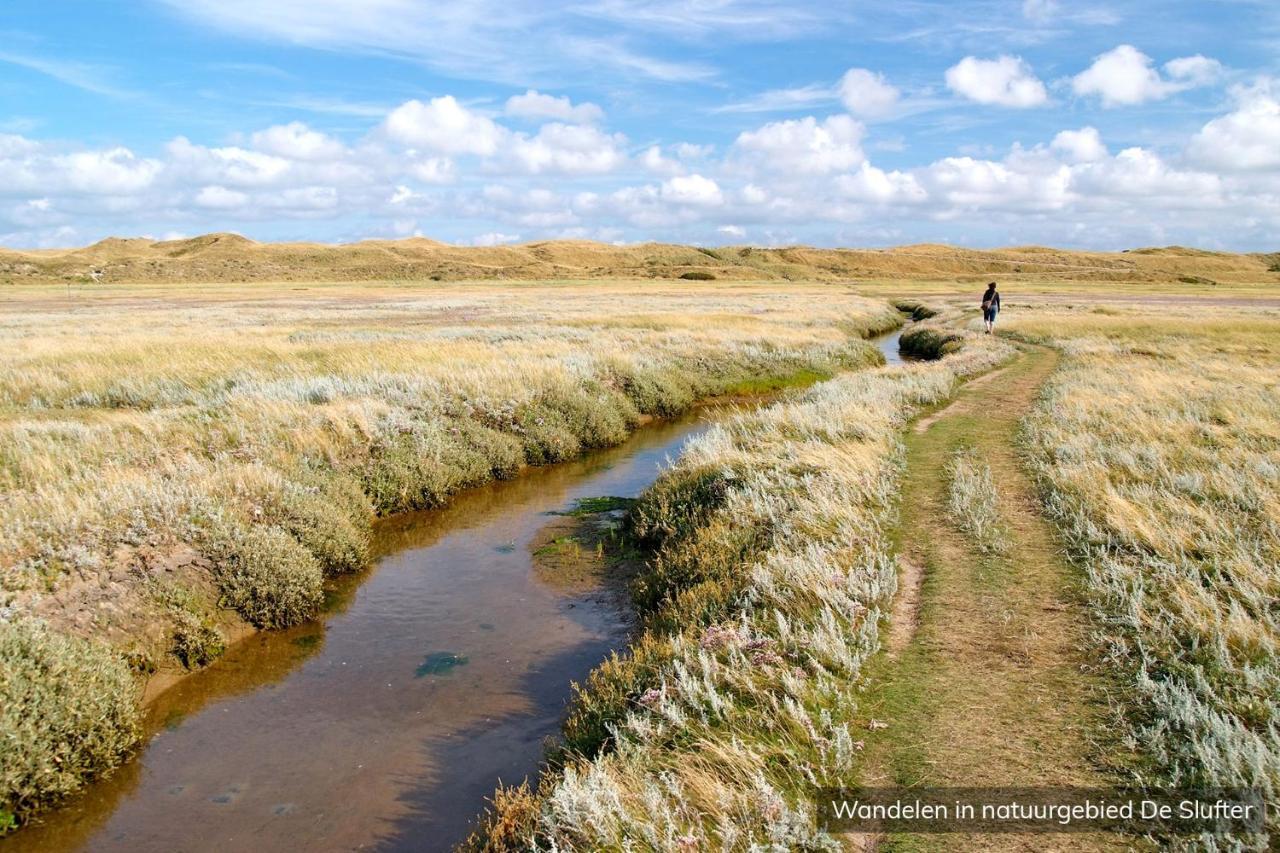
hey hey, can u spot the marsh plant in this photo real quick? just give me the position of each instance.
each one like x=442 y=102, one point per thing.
x=770 y=571
x=1158 y=444
x=973 y=503
x=263 y=430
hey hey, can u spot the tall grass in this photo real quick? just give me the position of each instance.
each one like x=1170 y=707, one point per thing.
x=771 y=572
x=973 y=503
x=1159 y=447
x=266 y=429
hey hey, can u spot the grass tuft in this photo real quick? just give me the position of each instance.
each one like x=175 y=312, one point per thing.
x=973 y=503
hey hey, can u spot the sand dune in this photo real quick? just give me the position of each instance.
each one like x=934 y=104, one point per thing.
x=230 y=257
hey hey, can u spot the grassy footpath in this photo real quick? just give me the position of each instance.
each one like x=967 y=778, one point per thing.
x=770 y=575
x=985 y=681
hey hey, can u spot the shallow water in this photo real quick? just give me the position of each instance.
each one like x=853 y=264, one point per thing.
x=888 y=345
x=386 y=723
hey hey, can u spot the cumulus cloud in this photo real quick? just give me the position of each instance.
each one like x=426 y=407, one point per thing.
x=1125 y=76
x=1080 y=146
x=567 y=150
x=876 y=185
x=297 y=141
x=807 y=179
x=654 y=161
x=535 y=105
x=1194 y=70
x=29 y=167
x=1006 y=81
x=220 y=198
x=434 y=170
x=1246 y=139
x=866 y=93
x=443 y=125
x=230 y=165
x=692 y=189
x=803 y=146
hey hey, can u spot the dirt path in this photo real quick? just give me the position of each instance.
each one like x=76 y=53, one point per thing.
x=983 y=681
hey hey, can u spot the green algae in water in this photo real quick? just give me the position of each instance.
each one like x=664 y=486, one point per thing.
x=592 y=506
x=438 y=663
x=307 y=641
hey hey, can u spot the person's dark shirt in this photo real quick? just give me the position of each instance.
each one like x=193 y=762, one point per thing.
x=994 y=296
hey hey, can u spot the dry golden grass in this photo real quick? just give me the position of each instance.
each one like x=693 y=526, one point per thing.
x=1159 y=444
x=167 y=454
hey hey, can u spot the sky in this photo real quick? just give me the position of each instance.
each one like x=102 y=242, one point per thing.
x=1100 y=125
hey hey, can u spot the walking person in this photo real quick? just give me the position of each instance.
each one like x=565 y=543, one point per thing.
x=990 y=307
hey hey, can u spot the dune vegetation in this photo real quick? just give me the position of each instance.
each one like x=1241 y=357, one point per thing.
x=1158 y=445
x=224 y=257
x=770 y=573
x=177 y=464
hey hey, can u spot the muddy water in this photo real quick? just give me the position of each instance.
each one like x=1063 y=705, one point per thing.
x=386 y=723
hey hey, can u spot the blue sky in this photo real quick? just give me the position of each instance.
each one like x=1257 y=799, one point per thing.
x=1098 y=125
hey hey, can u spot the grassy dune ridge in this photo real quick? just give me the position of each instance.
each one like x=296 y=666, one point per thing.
x=1158 y=444
x=166 y=456
x=771 y=573
x=229 y=257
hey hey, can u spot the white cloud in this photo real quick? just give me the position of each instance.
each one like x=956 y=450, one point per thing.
x=298 y=142
x=434 y=170
x=803 y=146
x=1142 y=174
x=220 y=198
x=1125 y=76
x=231 y=165
x=876 y=185
x=567 y=149
x=692 y=189
x=494 y=238
x=1080 y=146
x=866 y=93
x=113 y=171
x=445 y=126
x=1194 y=70
x=805 y=180
x=654 y=161
x=1006 y=81
x=1246 y=139
x=535 y=105
x=967 y=184
x=881 y=187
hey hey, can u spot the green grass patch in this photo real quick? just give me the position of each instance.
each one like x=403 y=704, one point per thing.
x=592 y=506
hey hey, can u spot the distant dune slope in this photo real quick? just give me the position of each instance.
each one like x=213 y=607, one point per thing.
x=230 y=257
